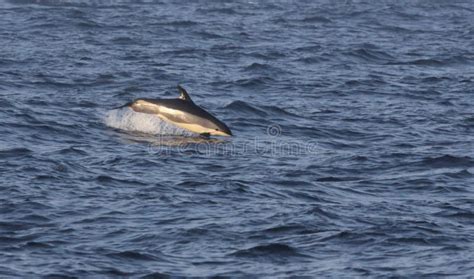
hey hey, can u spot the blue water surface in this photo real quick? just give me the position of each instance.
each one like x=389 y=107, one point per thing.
x=353 y=152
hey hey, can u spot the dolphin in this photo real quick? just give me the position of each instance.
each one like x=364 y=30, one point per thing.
x=182 y=112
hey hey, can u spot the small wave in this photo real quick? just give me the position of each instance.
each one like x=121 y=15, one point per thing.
x=394 y=29
x=254 y=82
x=468 y=122
x=273 y=249
x=243 y=107
x=35 y=218
x=208 y=35
x=267 y=55
x=14 y=152
x=45 y=177
x=362 y=82
x=460 y=174
x=409 y=241
x=124 y=40
x=283 y=229
x=337 y=179
x=72 y=151
x=436 y=79
x=9 y=240
x=227 y=11
x=320 y=213
x=87 y=104
x=156 y=275
x=433 y=62
x=133 y=255
x=460 y=215
x=257 y=67
x=371 y=55
x=78 y=4
x=425 y=62
x=181 y=23
x=354 y=237
x=278 y=111
x=311 y=60
x=447 y=161
x=310 y=48
x=316 y=19
x=105 y=179
x=37 y=245
x=128 y=120
x=88 y=24
x=185 y=52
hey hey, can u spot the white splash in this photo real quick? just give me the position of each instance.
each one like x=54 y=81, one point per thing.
x=128 y=120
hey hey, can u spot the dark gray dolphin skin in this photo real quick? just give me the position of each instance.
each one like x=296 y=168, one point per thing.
x=182 y=112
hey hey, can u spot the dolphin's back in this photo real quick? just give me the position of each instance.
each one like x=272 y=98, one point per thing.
x=174 y=110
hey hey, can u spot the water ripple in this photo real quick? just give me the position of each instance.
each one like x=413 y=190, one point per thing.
x=352 y=154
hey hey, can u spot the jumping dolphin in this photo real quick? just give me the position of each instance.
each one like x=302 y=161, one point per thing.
x=182 y=112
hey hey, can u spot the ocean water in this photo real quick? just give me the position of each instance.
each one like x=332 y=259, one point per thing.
x=353 y=152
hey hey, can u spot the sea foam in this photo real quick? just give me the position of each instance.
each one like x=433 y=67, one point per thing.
x=128 y=120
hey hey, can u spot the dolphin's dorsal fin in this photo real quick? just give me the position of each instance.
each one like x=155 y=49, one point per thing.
x=183 y=95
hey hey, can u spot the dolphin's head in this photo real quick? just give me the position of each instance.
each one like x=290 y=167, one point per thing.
x=204 y=123
x=218 y=128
